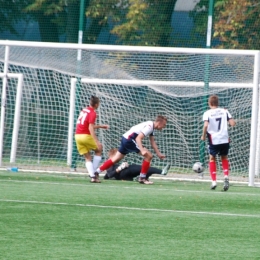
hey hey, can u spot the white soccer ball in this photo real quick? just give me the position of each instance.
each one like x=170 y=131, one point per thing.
x=198 y=167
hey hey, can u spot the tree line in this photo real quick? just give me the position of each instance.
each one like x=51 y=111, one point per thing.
x=236 y=23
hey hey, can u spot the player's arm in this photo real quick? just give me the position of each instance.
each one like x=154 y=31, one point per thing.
x=232 y=122
x=138 y=140
x=101 y=126
x=204 y=130
x=155 y=147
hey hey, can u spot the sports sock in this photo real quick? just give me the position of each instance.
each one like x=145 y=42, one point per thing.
x=96 y=161
x=213 y=170
x=107 y=164
x=89 y=166
x=225 y=167
x=144 y=169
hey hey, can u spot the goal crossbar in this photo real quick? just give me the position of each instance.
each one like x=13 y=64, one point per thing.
x=165 y=83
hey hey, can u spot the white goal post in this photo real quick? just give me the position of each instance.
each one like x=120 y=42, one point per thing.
x=134 y=84
x=16 y=119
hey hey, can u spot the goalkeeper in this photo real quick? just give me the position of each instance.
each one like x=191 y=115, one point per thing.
x=129 y=172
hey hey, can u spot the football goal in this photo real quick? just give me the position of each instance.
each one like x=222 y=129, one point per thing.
x=134 y=84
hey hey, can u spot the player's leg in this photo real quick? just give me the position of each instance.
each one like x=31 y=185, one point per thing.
x=145 y=167
x=97 y=157
x=126 y=146
x=89 y=166
x=110 y=162
x=213 y=151
x=225 y=165
x=154 y=170
x=224 y=148
x=86 y=143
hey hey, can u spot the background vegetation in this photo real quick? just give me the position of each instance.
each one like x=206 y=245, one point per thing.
x=135 y=22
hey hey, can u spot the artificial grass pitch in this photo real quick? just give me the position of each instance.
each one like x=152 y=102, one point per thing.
x=62 y=217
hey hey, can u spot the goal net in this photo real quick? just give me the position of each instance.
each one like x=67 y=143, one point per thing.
x=134 y=84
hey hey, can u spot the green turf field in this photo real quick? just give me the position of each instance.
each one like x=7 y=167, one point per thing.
x=62 y=217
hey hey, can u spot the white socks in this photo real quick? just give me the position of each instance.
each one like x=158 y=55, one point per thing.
x=96 y=161
x=90 y=168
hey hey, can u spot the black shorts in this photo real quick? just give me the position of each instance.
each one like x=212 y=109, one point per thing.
x=218 y=149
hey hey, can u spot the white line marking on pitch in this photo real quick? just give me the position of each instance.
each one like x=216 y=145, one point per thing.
x=131 y=187
x=129 y=208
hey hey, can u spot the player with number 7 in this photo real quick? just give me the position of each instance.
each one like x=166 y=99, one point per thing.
x=216 y=122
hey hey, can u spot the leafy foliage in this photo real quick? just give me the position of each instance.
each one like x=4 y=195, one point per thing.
x=236 y=23
x=138 y=22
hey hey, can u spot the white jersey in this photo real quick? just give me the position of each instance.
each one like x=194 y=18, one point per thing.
x=218 y=125
x=146 y=128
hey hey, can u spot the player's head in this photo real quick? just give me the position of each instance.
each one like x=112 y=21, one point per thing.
x=213 y=101
x=94 y=102
x=160 y=122
x=112 y=152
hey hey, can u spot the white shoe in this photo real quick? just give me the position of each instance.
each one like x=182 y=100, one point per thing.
x=213 y=186
x=166 y=169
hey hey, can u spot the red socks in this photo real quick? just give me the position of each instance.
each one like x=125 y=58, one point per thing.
x=145 y=168
x=213 y=170
x=225 y=167
x=107 y=164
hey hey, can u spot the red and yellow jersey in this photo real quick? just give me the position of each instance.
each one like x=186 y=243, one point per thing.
x=86 y=117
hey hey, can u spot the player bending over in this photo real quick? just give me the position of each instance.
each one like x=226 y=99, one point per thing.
x=131 y=142
x=86 y=139
x=127 y=172
x=216 y=128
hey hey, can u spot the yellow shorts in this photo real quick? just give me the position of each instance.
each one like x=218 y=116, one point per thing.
x=85 y=143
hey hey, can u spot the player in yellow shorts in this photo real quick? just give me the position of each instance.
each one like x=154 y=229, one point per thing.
x=86 y=139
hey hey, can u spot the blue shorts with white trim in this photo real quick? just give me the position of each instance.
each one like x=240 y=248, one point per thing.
x=128 y=146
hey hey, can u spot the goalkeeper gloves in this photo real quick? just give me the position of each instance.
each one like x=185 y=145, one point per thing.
x=122 y=166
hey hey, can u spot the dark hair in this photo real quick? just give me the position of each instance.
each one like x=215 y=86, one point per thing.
x=161 y=118
x=213 y=100
x=94 y=100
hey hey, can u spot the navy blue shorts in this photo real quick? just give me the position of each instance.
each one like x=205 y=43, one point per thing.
x=218 y=149
x=128 y=146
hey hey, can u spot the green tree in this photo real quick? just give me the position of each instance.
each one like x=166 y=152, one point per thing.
x=138 y=22
x=236 y=23
x=100 y=12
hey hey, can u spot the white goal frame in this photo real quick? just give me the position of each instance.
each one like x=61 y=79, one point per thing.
x=254 y=138
x=19 y=78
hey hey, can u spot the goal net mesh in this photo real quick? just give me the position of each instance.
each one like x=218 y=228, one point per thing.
x=43 y=132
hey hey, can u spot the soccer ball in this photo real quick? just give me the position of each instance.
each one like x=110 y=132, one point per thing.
x=198 y=167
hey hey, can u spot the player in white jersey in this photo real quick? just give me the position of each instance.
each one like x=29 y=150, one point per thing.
x=132 y=143
x=216 y=122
